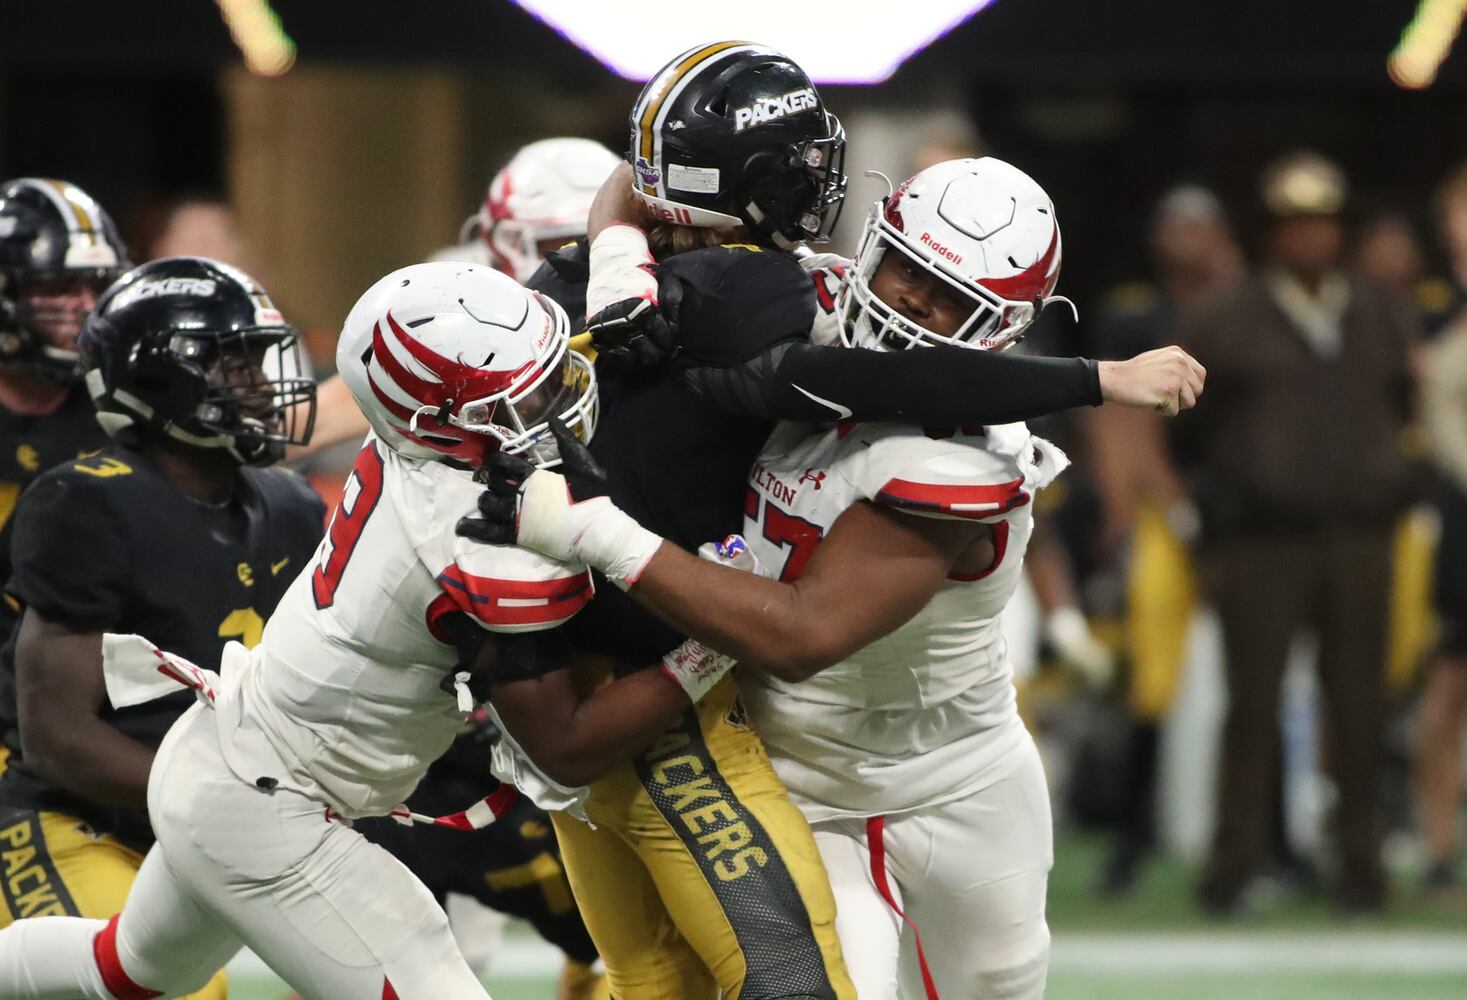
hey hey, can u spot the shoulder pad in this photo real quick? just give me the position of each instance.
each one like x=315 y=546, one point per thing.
x=738 y=301
x=970 y=476
x=508 y=589
x=502 y=588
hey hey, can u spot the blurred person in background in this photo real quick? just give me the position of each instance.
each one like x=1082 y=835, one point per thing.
x=1148 y=520
x=58 y=252
x=1438 y=776
x=200 y=225
x=536 y=203
x=1389 y=254
x=1300 y=477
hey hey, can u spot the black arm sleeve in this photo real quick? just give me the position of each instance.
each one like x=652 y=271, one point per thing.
x=941 y=386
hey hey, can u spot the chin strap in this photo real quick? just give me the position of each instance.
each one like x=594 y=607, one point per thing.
x=1044 y=304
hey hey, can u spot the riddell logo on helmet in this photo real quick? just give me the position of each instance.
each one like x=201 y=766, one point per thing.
x=941 y=250
x=672 y=213
x=770 y=109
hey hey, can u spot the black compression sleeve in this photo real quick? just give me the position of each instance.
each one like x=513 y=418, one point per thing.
x=941 y=386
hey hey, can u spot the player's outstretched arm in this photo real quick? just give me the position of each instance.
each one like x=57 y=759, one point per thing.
x=575 y=738
x=60 y=694
x=942 y=386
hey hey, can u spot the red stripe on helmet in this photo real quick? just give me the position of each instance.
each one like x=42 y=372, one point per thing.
x=1034 y=282
x=447 y=371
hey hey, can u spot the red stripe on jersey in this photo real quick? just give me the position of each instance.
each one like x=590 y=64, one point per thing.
x=438 y=609
x=1000 y=547
x=973 y=502
x=388 y=993
x=114 y=977
x=485 y=598
x=822 y=291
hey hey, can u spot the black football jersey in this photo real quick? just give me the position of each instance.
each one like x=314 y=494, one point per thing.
x=106 y=543
x=676 y=460
x=29 y=445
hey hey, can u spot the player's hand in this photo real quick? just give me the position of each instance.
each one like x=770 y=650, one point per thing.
x=632 y=332
x=505 y=476
x=1167 y=380
x=534 y=508
x=734 y=553
x=617 y=202
x=626 y=321
x=1069 y=633
x=502 y=475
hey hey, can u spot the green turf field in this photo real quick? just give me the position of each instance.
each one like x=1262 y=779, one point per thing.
x=1157 y=946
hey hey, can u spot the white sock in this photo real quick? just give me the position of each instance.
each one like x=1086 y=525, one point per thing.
x=50 y=958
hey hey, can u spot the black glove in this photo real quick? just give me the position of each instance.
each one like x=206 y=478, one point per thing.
x=632 y=333
x=503 y=475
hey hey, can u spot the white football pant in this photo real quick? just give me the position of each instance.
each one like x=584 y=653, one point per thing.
x=971 y=875
x=334 y=916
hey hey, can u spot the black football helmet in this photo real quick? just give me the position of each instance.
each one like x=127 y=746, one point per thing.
x=732 y=133
x=194 y=349
x=53 y=238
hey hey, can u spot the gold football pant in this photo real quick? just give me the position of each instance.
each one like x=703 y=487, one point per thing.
x=1161 y=594
x=700 y=875
x=52 y=864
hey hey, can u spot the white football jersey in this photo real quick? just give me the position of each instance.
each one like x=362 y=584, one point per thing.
x=925 y=714
x=346 y=693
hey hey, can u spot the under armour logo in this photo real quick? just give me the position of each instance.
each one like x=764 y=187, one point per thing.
x=810 y=475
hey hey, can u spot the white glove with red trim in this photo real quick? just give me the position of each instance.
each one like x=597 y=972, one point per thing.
x=595 y=532
x=623 y=314
x=620 y=269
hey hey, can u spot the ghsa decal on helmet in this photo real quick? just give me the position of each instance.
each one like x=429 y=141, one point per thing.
x=543 y=194
x=983 y=229
x=734 y=133
x=452 y=361
x=193 y=349
x=58 y=252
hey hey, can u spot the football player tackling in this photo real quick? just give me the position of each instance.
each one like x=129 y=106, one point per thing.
x=357 y=684
x=881 y=689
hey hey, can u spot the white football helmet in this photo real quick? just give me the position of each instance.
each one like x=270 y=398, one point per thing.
x=543 y=193
x=983 y=227
x=452 y=360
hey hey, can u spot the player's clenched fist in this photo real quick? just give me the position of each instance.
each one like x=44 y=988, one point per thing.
x=1167 y=380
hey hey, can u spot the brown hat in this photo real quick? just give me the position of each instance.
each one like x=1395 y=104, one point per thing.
x=1303 y=183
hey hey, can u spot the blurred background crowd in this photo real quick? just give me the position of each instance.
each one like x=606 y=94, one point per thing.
x=1245 y=641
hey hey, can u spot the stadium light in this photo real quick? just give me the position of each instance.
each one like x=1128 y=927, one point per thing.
x=256 y=29
x=857 y=42
x=1424 y=45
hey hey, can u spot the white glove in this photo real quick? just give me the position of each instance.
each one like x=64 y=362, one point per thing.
x=1069 y=633
x=695 y=668
x=595 y=532
x=734 y=553
x=618 y=269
